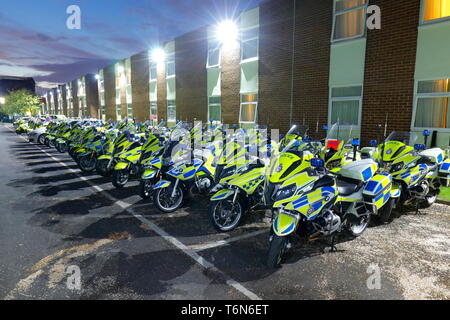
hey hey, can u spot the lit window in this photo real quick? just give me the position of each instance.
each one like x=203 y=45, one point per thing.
x=153 y=111
x=249 y=108
x=432 y=104
x=171 y=110
x=436 y=9
x=345 y=105
x=213 y=54
x=249 y=44
x=214 y=108
x=170 y=66
x=349 y=19
x=153 y=72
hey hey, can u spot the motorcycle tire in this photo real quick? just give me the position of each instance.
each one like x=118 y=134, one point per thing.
x=120 y=178
x=102 y=167
x=41 y=139
x=51 y=143
x=87 y=163
x=358 y=228
x=430 y=199
x=277 y=250
x=160 y=197
x=385 y=212
x=62 y=147
x=145 y=189
x=216 y=218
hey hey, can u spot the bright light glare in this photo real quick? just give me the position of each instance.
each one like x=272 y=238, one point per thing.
x=158 y=55
x=2 y=100
x=120 y=69
x=227 y=31
x=97 y=76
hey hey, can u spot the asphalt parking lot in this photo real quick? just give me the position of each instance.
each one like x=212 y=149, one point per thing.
x=53 y=216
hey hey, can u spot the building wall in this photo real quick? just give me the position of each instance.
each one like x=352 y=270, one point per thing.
x=55 y=100
x=191 y=51
x=162 y=92
x=389 y=69
x=92 y=99
x=140 y=86
x=64 y=100
x=76 y=108
x=312 y=64
x=275 y=62
x=230 y=82
x=110 y=92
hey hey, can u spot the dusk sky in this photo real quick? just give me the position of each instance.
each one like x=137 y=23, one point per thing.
x=35 y=41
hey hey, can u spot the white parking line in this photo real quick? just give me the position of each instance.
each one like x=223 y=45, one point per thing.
x=220 y=243
x=174 y=241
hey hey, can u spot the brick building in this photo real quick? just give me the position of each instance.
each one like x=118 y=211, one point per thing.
x=312 y=62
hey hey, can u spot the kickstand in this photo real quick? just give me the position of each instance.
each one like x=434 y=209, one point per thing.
x=417 y=209
x=333 y=244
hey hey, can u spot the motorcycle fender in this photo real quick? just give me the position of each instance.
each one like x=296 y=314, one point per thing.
x=105 y=157
x=121 y=166
x=162 y=184
x=148 y=174
x=395 y=191
x=222 y=194
x=284 y=224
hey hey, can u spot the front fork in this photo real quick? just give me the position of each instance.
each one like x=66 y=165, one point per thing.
x=175 y=188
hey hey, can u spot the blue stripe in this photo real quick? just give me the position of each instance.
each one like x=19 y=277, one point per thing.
x=289 y=229
x=446 y=166
x=367 y=174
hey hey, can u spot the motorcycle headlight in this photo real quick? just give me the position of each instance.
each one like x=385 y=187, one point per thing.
x=397 y=167
x=285 y=192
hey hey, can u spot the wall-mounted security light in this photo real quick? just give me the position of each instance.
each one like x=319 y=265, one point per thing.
x=227 y=32
x=158 y=55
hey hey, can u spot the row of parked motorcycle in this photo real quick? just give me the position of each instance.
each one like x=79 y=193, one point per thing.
x=315 y=189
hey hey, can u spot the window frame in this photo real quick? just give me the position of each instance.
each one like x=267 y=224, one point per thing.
x=252 y=102
x=427 y=95
x=170 y=58
x=167 y=110
x=332 y=99
x=247 y=40
x=215 y=104
x=422 y=16
x=152 y=65
x=341 y=12
x=218 y=47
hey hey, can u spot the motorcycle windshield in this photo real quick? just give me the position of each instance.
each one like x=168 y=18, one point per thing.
x=338 y=134
x=404 y=137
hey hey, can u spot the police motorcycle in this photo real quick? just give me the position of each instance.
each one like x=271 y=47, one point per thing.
x=327 y=204
x=187 y=171
x=418 y=173
x=99 y=145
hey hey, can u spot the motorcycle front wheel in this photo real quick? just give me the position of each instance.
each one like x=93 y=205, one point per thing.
x=41 y=139
x=62 y=147
x=225 y=216
x=145 y=189
x=120 y=178
x=102 y=167
x=51 y=143
x=164 y=201
x=357 y=226
x=87 y=163
x=277 y=250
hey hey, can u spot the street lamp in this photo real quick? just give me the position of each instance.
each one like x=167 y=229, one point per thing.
x=158 y=55
x=227 y=32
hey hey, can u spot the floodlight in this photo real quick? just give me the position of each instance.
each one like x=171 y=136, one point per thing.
x=227 y=32
x=158 y=55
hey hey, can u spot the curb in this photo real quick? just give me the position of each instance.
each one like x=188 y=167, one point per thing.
x=443 y=202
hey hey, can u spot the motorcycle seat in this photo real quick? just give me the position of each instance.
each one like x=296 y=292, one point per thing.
x=347 y=187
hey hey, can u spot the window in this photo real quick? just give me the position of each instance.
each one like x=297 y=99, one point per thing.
x=249 y=106
x=435 y=10
x=213 y=54
x=153 y=72
x=153 y=111
x=249 y=44
x=432 y=104
x=170 y=66
x=214 y=108
x=345 y=105
x=349 y=19
x=171 y=110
